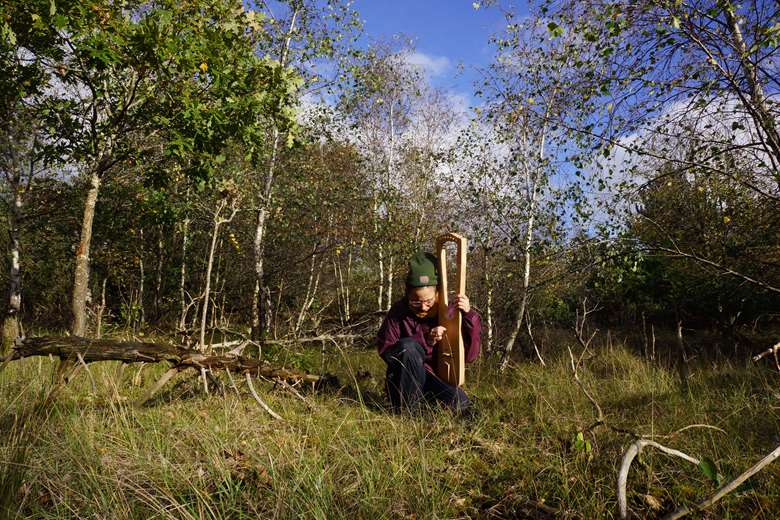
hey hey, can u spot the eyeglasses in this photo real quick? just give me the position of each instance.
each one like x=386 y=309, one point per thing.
x=420 y=303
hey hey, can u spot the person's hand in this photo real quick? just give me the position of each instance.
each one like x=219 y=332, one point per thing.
x=437 y=333
x=462 y=301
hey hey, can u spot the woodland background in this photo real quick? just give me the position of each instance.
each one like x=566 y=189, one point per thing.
x=206 y=170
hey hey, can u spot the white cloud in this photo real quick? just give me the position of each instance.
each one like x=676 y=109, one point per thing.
x=680 y=128
x=460 y=103
x=432 y=65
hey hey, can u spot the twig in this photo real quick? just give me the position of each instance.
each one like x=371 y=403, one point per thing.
x=63 y=367
x=240 y=349
x=287 y=386
x=228 y=344
x=599 y=412
x=205 y=380
x=690 y=426
x=771 y=350
x=232 y=382
x=310 y=339
x=260 y=401
x=727 y=488
x=159 y=384
x=531 y=336
x=625 y=465
x=91 y=379
x=7 y=359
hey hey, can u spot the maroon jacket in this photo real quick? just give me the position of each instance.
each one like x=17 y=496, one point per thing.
x=401 y=322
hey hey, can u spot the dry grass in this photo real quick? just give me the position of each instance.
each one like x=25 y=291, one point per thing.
x=92 y=455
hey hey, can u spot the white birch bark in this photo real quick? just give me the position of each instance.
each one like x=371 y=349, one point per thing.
x=261 y=296
x=532 y=175
x=185 y=228
x=218 y=221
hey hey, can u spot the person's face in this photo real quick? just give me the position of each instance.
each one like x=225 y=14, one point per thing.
x=422 y=301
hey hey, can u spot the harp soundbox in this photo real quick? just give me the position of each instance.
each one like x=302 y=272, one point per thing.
x=450 y=360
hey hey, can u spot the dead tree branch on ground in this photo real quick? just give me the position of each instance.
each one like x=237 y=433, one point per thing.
x=726 y=488
x=87 y=350
x=631 y=453
x=773 y=350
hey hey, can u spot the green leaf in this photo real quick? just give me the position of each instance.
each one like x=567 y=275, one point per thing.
x=555 y=29
x=707 y=466
x=580 y=443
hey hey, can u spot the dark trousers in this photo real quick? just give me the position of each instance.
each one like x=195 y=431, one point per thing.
x=408 y=383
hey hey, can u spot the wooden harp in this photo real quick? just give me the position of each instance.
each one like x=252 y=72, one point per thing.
x=450 y=359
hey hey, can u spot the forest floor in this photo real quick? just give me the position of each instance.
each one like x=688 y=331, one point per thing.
x=340 y=454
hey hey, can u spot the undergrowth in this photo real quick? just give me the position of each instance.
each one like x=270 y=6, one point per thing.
x=91 y=453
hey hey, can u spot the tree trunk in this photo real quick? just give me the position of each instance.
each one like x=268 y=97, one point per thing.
x=141 y=276
x=488 y=281
x=207 y=286
x=682 y=363
x=11 y=322
x=758 y=109
x=339 y=287
x=380 y=253
x=81 y=276
x=259 y=318
x=389 y=182
x=261 y=295
x=158 y=280
x=389 y=290
x=101 y=310
x=533 y=174
x=91 y=351
x=521 y=311
x=185 y=226
x=343 y=284
x=347 y=312
x=217 y=279
x=311 y=289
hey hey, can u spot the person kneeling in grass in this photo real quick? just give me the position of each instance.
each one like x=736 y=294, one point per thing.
x=409 y=333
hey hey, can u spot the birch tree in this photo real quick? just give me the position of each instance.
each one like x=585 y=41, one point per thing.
x=24 y=152
x=302 y=35
x=682 y=88
x=381 y=107
x=530 y=86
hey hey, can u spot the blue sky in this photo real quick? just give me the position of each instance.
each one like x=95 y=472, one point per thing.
x=447 y=33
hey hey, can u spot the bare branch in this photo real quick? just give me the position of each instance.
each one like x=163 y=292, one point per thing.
x=727 y=488
x=631 y=453
x=91 y=379
x=771 y=350
x=722 y=268
x=260 y=401
x=158 y=385
x=599 y=412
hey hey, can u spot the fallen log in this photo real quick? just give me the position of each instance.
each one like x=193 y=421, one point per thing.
x=88 y=350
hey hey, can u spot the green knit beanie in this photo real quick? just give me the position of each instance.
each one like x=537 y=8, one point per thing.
x=422 y=270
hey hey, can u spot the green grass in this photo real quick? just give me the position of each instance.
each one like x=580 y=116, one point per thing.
x=92 y=454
